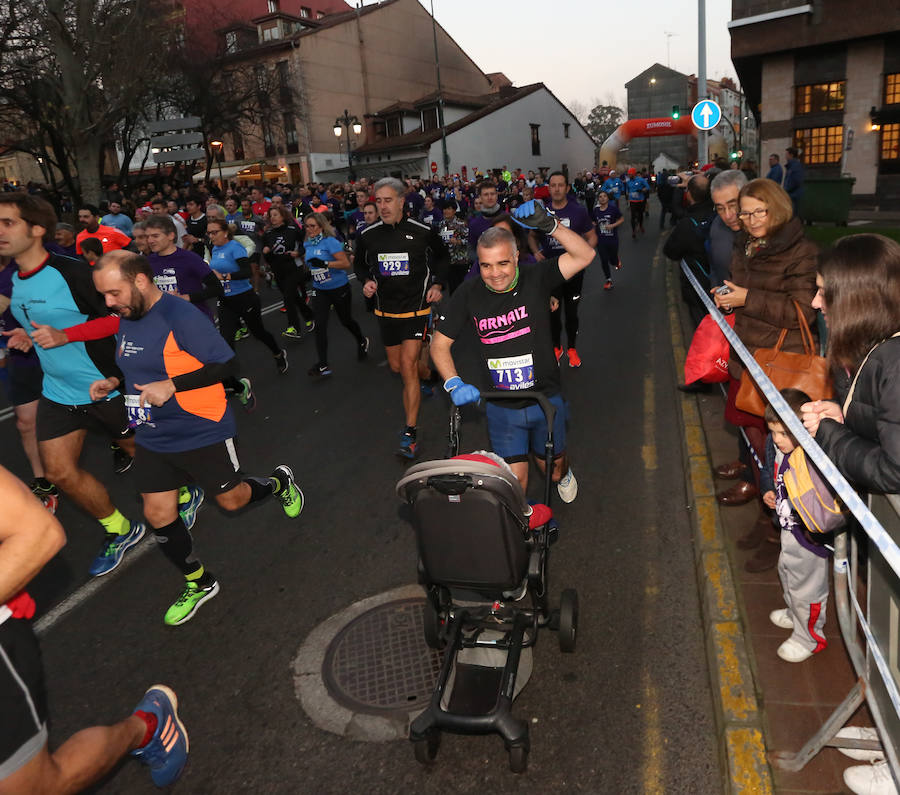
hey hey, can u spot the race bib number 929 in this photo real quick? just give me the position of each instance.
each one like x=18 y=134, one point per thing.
x=394 y=264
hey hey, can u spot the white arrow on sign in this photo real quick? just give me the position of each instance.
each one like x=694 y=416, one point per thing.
x=705 y=112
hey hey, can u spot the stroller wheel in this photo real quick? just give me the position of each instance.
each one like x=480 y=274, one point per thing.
x=568 y=620
x=518 y=759
x=427 y=748
x=432 y=626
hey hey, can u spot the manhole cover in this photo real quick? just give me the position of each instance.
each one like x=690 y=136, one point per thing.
x=379 y=663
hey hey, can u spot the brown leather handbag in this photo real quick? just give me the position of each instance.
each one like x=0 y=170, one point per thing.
x=804 y=371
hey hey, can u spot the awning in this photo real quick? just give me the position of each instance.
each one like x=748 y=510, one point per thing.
x=240 y=170
x=376 y=170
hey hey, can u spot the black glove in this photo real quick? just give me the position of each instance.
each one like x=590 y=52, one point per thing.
x=533 y=215
x=315 y=262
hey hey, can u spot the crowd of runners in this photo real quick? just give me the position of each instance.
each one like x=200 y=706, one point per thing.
x=127 y=327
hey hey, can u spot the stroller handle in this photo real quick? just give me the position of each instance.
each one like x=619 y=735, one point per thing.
x=538 y=397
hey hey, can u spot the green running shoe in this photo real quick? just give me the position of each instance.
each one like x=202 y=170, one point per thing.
x=246 y=396
x=241 y=334
x=190 y=600
x=288 y=493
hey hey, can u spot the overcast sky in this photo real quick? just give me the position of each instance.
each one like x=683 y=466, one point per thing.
x=585 y=50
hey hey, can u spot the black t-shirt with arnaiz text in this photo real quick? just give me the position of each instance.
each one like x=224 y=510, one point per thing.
x=513 y=328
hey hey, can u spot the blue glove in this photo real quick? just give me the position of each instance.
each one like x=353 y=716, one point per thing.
x=460 y=392
x=533 y=215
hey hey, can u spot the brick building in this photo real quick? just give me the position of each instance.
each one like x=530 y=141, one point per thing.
x=825 y=77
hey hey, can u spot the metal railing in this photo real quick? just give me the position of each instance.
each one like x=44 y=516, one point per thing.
x=878 y=672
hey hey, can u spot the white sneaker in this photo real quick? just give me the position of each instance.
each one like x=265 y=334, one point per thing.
x=567 y=487
x=793 y=651
x=859 y=733
x=874 y=779
x=782 y=618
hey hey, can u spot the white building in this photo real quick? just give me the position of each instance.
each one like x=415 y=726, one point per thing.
x=525 y=128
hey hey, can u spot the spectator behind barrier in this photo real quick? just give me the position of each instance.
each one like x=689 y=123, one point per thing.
x=773 y=265
x=858 y=283
x=688 y=241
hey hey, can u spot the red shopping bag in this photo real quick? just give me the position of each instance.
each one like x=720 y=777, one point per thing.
x=707 y=358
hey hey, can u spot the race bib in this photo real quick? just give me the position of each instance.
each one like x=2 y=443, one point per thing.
x=226 y=286
x=168 y=284
x=394 y=264
x=136 y=414
x=319 y=275
x=512 y=372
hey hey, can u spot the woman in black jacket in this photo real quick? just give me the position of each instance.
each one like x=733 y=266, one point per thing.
x=282 y=244
x=859 y=294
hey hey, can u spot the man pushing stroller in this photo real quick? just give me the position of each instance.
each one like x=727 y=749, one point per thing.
x=510 y=309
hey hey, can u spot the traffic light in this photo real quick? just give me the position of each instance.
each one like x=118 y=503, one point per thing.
x=676 y=111
x=734 y=155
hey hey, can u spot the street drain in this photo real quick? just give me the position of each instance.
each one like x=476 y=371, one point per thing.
x=379 y=663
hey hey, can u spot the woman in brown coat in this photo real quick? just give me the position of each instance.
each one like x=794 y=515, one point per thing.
x=773 y=265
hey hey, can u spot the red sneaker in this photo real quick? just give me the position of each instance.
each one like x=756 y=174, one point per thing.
x=558 y=352
x=574 y=358
x=608 y=285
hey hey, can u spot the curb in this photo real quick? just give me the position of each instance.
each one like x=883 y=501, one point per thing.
x=737 y=711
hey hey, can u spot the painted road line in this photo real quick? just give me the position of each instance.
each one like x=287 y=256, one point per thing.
x=80 y=595
x=737 y=711
x=652 y=741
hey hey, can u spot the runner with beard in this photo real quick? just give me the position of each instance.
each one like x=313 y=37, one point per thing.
x=173 y=362
x=482 y=220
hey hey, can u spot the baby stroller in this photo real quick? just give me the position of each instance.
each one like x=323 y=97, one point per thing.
x=483 y=554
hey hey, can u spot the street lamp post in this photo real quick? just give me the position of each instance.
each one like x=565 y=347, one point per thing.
x=650 y=115
x=220 y=146
x=349 y=123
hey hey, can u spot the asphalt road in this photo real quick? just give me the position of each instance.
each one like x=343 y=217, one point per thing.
x=630 y=711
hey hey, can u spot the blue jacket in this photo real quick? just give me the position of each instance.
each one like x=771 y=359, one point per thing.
x=793 y=179
x=775 y=173
x=638 y=189
x=613 y=187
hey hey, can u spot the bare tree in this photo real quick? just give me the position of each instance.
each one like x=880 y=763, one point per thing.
x=74 y=76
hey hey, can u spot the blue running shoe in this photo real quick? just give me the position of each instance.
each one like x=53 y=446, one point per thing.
x=190 y=498
x=408 y=446
x=167 y=751
x=114 y=549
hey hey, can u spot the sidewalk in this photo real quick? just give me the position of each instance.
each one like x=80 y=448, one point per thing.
x=794 y=700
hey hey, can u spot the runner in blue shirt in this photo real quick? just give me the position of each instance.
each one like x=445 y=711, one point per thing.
x=328 y=263
x=230 y=263
x=638 y=191
x=173 y=362
x=614 y=187
x=52 y=294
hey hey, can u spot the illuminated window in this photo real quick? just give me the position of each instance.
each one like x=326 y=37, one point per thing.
x=820 y=144
x=819 y=97
x=890 y=142
x=892 y=89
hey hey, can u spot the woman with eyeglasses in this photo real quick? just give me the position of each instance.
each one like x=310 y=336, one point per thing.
x=229 y=261
x=328 y=264
x=281 y=248
x=773 y=265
